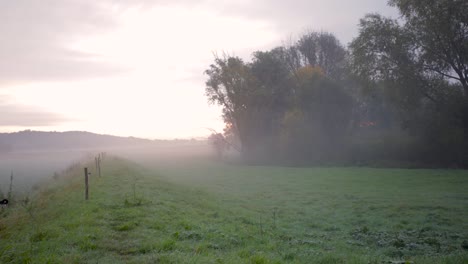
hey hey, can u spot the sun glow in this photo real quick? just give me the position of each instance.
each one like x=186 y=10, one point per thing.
x=161 y=95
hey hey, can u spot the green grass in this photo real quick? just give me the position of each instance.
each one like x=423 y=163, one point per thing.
x=211 y=213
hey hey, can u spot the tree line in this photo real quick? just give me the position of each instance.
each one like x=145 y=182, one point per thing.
x=397 y=95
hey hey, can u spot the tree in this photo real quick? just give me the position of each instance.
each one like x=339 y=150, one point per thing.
x=430 y=46
x=324 y=50
x=274 y=88
x=383 y=55
x=439 y=30
x=256 y=96
x=317 y=122
x=421 y=64
x=232 y=85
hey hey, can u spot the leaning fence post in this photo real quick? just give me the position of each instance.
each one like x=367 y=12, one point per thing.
x=86 y=183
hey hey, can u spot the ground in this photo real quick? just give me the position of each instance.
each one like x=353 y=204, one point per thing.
x=198 y=211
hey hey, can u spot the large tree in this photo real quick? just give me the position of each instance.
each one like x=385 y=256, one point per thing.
x=420 y=63
x=439 y=31
x=258 y=97
x=232 y=86
x=429 y=45
x=253 y=96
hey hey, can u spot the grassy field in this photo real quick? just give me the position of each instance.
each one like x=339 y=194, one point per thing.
x=202 y=212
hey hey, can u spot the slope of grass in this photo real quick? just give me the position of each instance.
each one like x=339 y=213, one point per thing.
x=207 y=213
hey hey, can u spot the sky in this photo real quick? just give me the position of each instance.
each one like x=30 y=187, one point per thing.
x=135 y=68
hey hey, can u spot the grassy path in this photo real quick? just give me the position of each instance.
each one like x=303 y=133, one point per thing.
x=138 y=215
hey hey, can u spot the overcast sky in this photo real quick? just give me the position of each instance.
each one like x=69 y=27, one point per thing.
x=135 y=68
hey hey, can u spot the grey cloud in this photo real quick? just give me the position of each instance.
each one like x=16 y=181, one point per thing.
x=16 y=115
x=288 y=17
x=35 y=35
x=337 y=16
x=35 y=38
x=53 y=64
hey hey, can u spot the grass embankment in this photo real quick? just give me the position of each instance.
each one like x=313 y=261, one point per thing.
x=207 y=213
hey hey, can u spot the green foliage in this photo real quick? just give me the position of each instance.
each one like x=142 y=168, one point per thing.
x=232 y=86
x=314 y=130
x=259 y=98
x=420 y=64
x=324 y=50
x=439 y=28
x=314 y=102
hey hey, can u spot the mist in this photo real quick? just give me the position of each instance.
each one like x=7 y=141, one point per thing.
x=234 y=131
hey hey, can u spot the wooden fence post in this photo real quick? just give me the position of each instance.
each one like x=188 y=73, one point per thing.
x=86 y=183
x=10 y=189
x=99 y=164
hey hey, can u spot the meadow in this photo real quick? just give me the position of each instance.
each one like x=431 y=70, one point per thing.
x=193 y=210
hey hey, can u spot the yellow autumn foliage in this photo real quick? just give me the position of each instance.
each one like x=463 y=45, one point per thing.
x=308 y=72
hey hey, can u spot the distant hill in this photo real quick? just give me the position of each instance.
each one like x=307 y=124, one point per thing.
x=74 y=140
